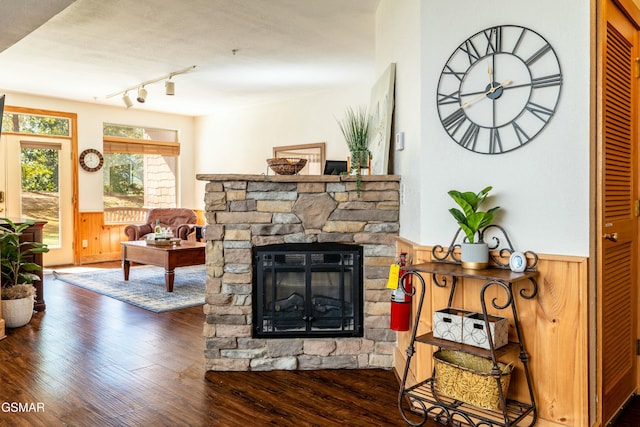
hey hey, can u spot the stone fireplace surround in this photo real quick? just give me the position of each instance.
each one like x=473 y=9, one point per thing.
x=243 y=211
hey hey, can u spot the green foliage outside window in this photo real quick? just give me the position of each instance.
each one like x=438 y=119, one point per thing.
x=37 y=125
x=39 y=169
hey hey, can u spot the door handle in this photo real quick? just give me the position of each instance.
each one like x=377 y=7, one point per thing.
x=611 y=236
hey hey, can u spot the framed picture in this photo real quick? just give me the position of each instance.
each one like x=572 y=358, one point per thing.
x=314 y=153
x=381 y=112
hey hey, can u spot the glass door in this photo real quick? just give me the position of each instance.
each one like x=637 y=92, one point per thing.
x=35 y=178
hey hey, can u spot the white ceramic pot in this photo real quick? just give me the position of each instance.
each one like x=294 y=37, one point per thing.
x=17 y=312
x=475 y=255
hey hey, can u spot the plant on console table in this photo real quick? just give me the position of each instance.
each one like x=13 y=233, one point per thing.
x=18 y=273
x=355 y=129
x=475 y=254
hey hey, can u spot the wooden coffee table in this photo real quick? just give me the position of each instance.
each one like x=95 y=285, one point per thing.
x=182 y=255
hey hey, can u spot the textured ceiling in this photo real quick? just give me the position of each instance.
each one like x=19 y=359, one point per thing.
x=245 y=51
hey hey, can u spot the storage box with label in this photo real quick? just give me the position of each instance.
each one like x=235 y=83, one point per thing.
x=447 y=323
x=474 y=332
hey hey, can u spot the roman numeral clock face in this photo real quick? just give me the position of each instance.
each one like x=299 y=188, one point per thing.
x=499 y=89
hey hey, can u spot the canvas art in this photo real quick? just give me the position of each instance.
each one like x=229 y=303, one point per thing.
x=381 y=112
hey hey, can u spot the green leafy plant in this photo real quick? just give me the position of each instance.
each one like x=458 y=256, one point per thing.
x=470 y=219
x=355 y=129
x=17 y=271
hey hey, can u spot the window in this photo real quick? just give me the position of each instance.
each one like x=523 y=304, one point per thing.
x=140 y=169
x=35 y=125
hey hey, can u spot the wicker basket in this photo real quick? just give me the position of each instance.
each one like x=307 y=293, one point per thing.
x=467 y=378
x=286 y=166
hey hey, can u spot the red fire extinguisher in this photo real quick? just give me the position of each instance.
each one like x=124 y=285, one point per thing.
x=401 y=299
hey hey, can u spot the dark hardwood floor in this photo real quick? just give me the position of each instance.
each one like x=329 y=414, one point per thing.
x=90 y=360
x=630 y=416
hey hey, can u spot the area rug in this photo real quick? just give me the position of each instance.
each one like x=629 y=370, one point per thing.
x=145 y=287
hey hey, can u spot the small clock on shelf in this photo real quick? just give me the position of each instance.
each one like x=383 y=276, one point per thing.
x=91 y=160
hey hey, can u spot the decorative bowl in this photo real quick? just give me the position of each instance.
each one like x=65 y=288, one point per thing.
x=286 y=165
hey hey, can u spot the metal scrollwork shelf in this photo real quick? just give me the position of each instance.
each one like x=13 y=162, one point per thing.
x=424 y=398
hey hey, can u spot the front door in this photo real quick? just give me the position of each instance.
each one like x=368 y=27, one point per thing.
x=35 y=178
x=617 y=224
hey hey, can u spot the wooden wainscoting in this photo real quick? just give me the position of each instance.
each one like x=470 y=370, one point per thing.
x=103 y=240
x=555 y=328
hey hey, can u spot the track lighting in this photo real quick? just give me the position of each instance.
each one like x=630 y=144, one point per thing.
x=169 y=87
x=127 y=100
x=142 y=95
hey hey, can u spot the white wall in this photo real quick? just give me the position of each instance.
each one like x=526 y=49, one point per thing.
x=398 y=41
x=90 y=120
x=542 y=187
x=240 y=140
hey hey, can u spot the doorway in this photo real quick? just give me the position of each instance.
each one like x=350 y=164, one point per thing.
x=36 y=181
x=617 y=195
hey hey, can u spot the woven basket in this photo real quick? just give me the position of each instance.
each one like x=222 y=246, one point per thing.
x=467 y=378
x=286 y=166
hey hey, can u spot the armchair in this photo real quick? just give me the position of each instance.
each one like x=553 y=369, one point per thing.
x=180 y=220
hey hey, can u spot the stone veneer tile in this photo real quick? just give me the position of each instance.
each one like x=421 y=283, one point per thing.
x=234 y=195
x=235 y=185
x=274 y=205
x=343 y=226
x=236 y=234
x=311 y=187
x=242 y=205
x=266 y=240
x=212 y=187
x=272 y=195
x=243 y=217
x=363 y=215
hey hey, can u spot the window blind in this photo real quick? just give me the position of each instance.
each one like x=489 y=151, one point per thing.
x=113 y=144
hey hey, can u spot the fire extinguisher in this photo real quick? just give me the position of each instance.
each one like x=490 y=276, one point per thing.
x=401 y=299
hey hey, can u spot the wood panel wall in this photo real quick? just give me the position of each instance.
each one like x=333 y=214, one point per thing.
x=555 y=328
x=103 y=241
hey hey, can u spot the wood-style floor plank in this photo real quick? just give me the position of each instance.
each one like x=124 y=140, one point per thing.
x=94 y=361
x=90 y=360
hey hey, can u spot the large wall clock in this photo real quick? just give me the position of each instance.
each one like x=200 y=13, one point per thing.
x=499 y=89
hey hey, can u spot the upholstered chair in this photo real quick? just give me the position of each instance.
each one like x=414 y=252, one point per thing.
x=180 y=220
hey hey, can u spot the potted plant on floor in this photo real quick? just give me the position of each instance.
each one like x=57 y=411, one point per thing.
x=17 y=272
x=475 y=254
x=355 y=129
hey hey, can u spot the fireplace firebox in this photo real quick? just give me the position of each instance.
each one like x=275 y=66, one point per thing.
x=307 y=290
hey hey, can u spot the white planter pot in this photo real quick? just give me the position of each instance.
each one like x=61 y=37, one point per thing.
x=17 y=312
x=475 y=255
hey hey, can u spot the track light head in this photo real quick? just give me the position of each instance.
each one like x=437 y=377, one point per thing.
x=127 y=100
x=170 y=87
x=142 y=95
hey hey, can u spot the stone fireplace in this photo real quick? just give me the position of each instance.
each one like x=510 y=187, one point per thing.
x=248 y=211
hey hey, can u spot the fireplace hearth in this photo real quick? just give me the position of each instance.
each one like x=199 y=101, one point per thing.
x=307 y=290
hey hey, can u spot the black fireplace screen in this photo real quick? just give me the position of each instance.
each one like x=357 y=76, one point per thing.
x=307 y=290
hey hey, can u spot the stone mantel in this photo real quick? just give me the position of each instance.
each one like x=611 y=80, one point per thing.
x=247 y=210
x=296 y=178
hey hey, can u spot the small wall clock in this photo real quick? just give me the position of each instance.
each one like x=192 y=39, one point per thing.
x=91 y=160
x=499 y=89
